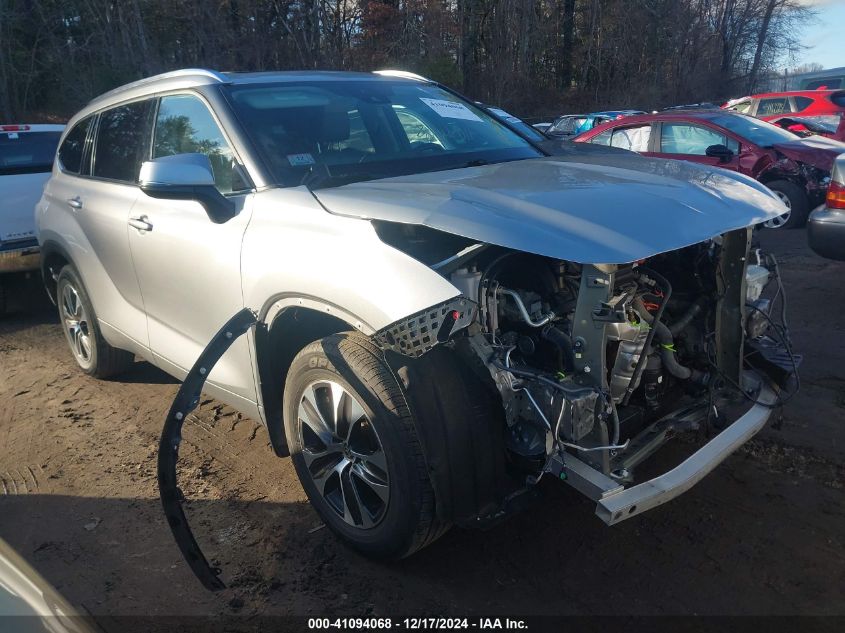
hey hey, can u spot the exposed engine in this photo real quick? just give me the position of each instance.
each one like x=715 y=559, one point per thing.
x=587 y=357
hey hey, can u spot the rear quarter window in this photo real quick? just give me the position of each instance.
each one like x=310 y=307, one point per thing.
x=73 y=147
x=742 y=106
x=603 y=138
x=802 y=103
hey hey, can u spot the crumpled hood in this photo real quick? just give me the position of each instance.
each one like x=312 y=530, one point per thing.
x=817 y=151
x=591 y=209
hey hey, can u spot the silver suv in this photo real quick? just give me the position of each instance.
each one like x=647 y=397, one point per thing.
x=445 y=314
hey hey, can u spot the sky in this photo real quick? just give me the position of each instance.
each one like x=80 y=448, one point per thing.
x=825 y=36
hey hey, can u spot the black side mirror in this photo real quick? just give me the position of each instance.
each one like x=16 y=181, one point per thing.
x=721 y=152
x=186 y=177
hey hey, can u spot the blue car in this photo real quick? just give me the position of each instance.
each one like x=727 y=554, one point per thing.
x=570 y=125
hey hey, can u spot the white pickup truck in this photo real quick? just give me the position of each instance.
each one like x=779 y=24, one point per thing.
x=26 y=160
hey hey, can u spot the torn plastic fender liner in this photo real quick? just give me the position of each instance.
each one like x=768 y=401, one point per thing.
x=455 y=410
x=186 y=401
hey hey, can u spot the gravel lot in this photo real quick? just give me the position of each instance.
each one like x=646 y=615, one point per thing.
x=762 y=535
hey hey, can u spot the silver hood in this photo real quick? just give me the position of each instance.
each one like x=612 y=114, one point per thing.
x=598 y=208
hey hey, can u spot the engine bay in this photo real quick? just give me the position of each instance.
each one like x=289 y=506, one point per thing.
x=607 y=362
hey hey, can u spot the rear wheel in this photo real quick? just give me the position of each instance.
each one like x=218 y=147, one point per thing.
x=356 y=452
x=90 y=350
x=796 y=201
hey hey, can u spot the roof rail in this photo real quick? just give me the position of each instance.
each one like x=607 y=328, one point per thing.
x=404 y=74
x=174 y=74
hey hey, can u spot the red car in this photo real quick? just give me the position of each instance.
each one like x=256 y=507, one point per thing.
x=773 y=105
x=796 y=169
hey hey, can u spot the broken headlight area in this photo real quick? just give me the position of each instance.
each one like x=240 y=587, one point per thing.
x=597 y=366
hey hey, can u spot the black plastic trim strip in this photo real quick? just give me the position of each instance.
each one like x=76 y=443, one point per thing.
x=186 y=401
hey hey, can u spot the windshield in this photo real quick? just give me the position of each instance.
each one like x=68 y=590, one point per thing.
x=27 y=152
x=325 y=133
x=754 y=130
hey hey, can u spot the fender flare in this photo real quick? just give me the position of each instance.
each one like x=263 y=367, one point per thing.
x=186 y=401
x=48 y=248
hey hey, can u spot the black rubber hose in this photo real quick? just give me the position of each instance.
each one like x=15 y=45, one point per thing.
x=681 y=323
x=563 y=342
x=678 y=326
x=663 y=335
x=667 y=292
x=664 y=339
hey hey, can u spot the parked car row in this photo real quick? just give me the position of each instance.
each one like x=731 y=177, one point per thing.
x=793 y=155
x=796 y=169
x=570 y=125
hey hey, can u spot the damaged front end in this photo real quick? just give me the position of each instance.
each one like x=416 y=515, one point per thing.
x=591 y=369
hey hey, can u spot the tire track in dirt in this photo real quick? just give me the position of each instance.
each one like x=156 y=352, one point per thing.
x=22 y=480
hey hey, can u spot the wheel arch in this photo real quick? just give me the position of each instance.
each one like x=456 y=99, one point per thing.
x=784 y=169
x=53 y=258
x=286 y=325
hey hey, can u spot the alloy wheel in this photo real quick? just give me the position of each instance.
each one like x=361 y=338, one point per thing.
x=77 y=326
x=779 y=221
x=343 y=454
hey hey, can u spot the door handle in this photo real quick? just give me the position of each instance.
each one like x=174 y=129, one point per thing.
x=141 y=223
x=75 y=202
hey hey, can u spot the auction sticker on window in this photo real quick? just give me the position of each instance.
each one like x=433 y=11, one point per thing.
x=450 y=109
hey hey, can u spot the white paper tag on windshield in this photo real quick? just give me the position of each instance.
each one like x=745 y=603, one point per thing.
x=450 y=109
x=297 y=160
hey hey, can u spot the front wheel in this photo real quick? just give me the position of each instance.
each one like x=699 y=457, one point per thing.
x=796 y=201
x=90 y=350
x=355 y=449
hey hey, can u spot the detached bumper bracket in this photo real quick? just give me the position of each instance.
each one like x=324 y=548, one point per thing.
x=186 y=401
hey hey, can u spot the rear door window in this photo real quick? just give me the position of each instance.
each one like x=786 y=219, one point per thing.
x=27 y=152
x=185 y=126
x=122 y=141
x=773 y=106
x=73 y=147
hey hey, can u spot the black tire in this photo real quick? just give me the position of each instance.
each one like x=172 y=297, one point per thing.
x=409 y=521
x=796 y=199
x=102 y=360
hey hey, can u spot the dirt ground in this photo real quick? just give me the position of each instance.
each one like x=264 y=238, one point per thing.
x=763 y=534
